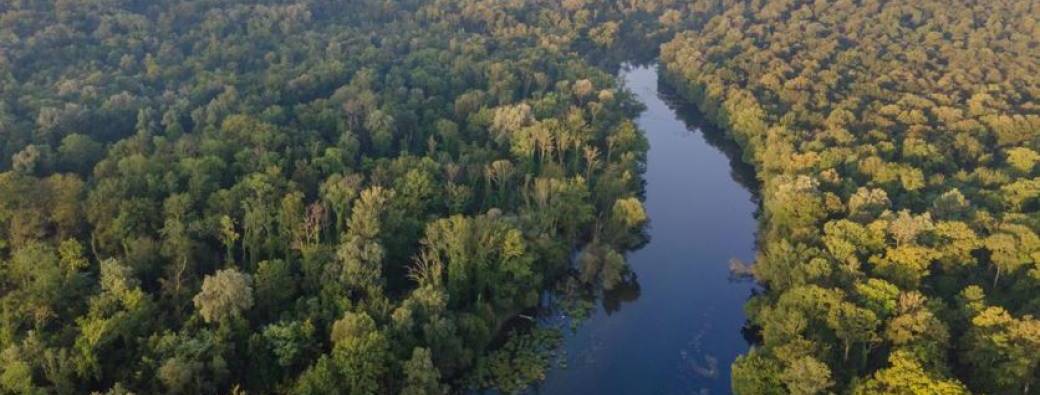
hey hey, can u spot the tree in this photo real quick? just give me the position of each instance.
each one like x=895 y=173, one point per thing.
x=290 y=342
x=879 y=296
x=28 y=161
x=64 y=203
x=509 y=120
x=806 y=376
x=339 y=192
x=16 y=376
x=602 y=265
x=905 y=375
x=70 y=253
x=1022 y=159
x=1011 y=248
x=176 y=375
x=178 y=247
x=229 y=236
x=852 y=325
x=225 y=295
x=756 y=374
x=361 y=254
x=78 y=153
x=360 y=354
x=918 y=331
x=951 y=205
x=906 y=228
x=275 y=287
x=319 y=379
x=117 y=318
x=190 y=363
x=851 y=243
x=957 y=243
x=421 y=377
x=796 y=206
x=626 y=216
x=482 y=257
x=380 y=126
x=1021 y=193
x=1004 y=351
x=37 y=286
x=905 y=265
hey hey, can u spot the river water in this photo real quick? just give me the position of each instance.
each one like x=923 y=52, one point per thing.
x=680 y=329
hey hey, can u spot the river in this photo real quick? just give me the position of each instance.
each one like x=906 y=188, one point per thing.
x=680 y=329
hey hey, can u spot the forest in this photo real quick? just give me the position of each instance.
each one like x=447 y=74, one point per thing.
x=897 y=145
x=359 y=197
x=211 y=196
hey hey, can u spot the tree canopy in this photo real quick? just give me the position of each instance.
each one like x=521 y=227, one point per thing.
x=299 y=196
x=896 y=142
x=317 y=196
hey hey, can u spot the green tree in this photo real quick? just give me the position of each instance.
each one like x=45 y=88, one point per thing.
x=905 y=375
x=806 y=376
x=853 y=325
x=290 y=342
x=1022 y=159
x=756 y=374
x=275 y=287
x=360 y=356
x=78 y=153
x=1003 y=351
x=225 y=295
x=421 y=377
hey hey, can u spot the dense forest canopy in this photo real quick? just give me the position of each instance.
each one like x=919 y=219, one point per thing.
x=317 y=196
x=203 y=196
x=897 y=141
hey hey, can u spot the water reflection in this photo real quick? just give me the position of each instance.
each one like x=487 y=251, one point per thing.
x=741 y=172
x=626 y=291
x=674 y=325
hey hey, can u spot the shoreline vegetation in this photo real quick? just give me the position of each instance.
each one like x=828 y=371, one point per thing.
x=232 y=196
x=896 y=143
x=205 y=196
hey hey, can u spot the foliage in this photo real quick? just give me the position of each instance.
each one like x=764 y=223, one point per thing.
x=896 y=144
x=306 y=196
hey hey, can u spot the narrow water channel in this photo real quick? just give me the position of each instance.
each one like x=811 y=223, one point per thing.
x=682 y=331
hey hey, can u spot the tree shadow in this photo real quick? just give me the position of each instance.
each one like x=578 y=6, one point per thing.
x=741 y=172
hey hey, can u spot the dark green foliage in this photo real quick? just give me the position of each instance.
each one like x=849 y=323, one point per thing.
x=304 y=196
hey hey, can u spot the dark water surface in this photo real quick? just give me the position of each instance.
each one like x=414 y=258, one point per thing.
x=682 y=332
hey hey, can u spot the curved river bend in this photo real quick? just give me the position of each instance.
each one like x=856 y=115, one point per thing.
x=683 y=329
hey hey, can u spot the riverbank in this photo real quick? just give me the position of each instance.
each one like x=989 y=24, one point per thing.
x=681 y=330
